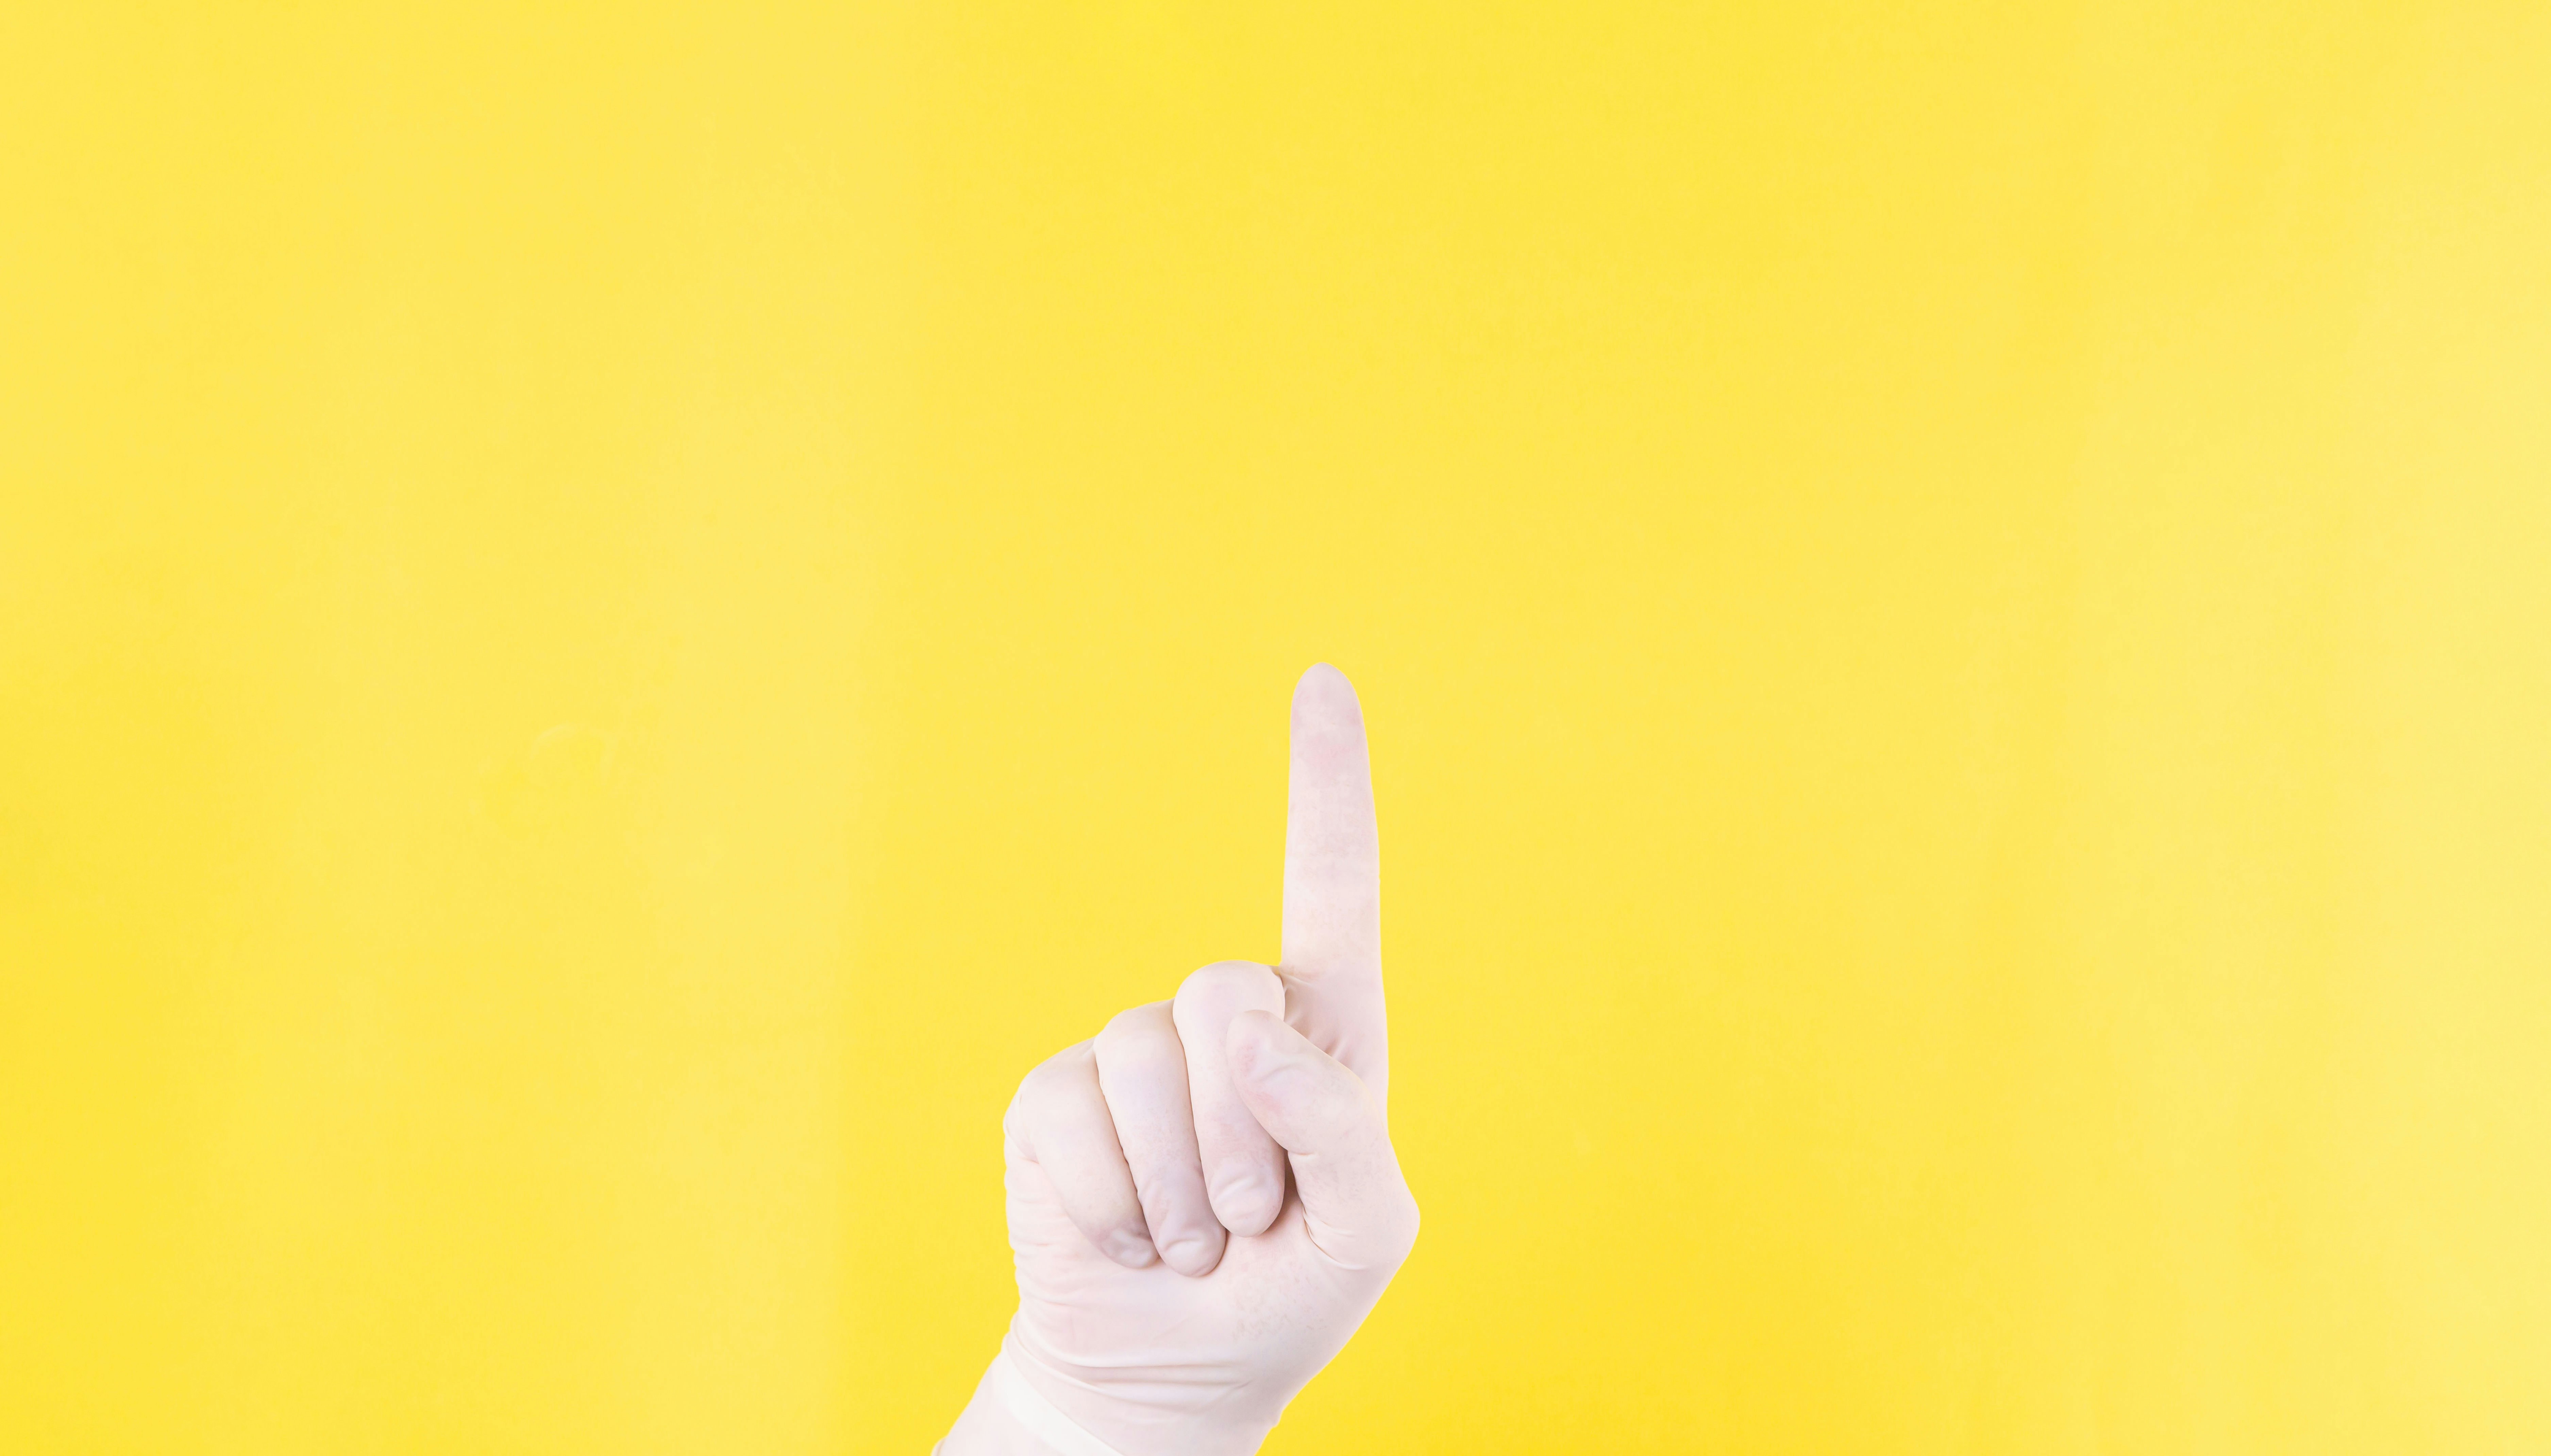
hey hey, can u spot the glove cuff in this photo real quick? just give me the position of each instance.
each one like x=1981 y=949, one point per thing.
x=1005 y=1383
x=1009 y=1417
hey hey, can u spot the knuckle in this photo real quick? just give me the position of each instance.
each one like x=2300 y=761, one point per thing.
x=1400 y=1229
x=1139 y=1042
x=1048 y=1077
x=1232 y=982
x=1133 y=1025
x=1015 y=1116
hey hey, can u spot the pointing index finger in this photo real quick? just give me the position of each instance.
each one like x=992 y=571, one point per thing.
x=1332 y=962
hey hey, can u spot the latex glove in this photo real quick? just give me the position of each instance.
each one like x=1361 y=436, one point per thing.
x=1203 y=1199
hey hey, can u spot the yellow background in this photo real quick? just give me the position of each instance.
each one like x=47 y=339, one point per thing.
x=611 y=619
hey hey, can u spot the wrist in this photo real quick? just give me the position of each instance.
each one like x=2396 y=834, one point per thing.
x=1008 y=1417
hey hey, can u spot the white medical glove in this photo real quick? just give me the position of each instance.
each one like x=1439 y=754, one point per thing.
x=1203 y=1199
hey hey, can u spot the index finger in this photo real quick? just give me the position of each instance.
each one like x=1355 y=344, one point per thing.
x=1332 y=958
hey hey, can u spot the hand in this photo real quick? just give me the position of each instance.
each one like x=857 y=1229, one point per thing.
x=1203 y=1199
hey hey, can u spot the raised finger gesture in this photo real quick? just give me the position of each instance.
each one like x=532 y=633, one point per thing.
x=1203 y=1199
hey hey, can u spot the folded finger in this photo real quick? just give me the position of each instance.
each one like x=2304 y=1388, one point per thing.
x=1143 y=1076
x=1061 y=1123
x=1356 y=1205
x=1242 y=1168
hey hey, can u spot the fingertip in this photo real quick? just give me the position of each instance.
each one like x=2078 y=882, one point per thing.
x=1247 y=1201
x=1324 y=698
x=1193 y=1254
x=1131 y=1249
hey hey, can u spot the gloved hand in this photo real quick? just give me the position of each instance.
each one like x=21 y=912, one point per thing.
x=1203 y=1199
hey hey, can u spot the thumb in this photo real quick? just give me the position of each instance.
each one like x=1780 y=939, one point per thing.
x=1356 y=1206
